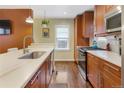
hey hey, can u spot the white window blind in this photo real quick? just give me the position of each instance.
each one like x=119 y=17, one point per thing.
x=62 y=37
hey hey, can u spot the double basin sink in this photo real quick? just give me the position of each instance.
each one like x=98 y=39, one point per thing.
x=33 y=55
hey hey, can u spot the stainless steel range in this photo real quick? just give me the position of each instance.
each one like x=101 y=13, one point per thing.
x=82 y=60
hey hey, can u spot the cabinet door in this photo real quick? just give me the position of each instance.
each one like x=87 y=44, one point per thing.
x=99 y=19
x=79 y=30
x=79 y=39
x=49 y=70
x=90 y=68
x=43 y=75
x=94 y=71
x=88 y=24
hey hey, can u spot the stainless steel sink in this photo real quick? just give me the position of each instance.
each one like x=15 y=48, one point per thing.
x=33 y=55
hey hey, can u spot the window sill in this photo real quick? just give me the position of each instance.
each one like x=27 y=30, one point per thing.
x=58 y=49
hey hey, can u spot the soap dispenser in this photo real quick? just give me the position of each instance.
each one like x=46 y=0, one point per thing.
x=94 y=44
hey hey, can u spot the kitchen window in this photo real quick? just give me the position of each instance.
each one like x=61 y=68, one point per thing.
x=62 y=37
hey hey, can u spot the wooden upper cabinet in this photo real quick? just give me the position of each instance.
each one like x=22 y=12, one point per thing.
x=79 y=39
x=87 y=24
x=109 y=8
x=78 y=30
x=99 y=23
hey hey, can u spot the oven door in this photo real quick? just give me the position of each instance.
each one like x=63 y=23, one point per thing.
x=82 y=61
x=82 y=64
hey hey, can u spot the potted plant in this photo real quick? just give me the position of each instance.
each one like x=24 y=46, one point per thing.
x=45 y=23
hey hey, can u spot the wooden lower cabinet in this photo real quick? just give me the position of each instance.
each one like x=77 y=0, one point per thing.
x=103 y=74
x=42 y=77
x=93 y=68
x=49 y=71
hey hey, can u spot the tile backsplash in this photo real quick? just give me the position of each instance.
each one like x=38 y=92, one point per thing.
x=112 y=40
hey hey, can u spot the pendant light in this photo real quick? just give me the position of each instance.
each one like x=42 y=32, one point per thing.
x=45 y=21
x=29 y=19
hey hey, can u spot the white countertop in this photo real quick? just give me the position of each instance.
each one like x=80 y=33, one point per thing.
x=111 y=57
x=16 y=73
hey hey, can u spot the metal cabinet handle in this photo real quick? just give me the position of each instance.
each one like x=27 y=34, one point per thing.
x=32 y=81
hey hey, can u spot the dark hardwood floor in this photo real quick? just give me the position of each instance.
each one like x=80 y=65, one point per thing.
x=68 y=76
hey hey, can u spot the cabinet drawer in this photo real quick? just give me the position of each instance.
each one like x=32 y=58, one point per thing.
x=112 y=69
x=90 y=56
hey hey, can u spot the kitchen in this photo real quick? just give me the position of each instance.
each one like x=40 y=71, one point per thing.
x=74 y=49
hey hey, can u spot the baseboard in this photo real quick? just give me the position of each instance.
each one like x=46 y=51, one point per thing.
x=69 y=60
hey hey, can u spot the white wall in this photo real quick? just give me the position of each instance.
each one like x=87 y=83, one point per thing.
x=37 y=34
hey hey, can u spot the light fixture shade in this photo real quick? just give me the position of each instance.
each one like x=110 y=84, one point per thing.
x=29 y=20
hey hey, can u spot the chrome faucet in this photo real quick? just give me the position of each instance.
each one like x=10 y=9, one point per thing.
x=24 y=43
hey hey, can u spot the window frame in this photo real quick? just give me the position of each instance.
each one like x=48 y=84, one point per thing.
x=68 y=39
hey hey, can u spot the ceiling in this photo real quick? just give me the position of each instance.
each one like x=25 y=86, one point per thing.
x=53 y=11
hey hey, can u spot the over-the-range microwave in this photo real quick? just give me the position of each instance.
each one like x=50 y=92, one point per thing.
x=113 y=20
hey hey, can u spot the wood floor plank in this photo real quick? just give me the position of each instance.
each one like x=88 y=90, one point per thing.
x=69 y=70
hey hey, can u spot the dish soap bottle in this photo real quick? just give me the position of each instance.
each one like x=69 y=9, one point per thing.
x=94 y=44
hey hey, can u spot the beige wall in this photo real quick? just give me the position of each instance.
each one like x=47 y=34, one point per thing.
x=59 y=55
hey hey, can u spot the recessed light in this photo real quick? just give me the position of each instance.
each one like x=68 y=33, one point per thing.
x=65 y=13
